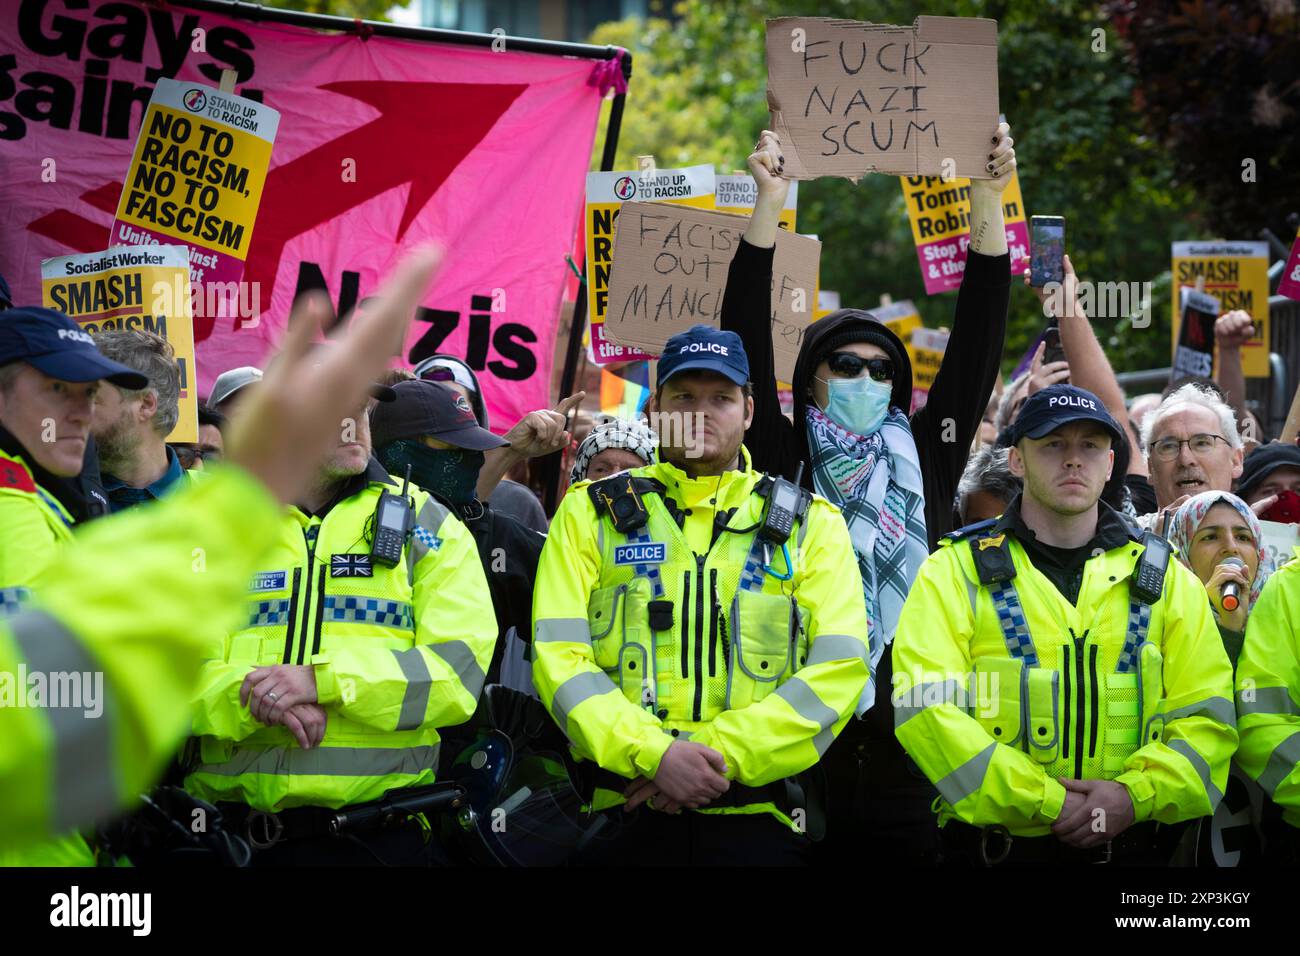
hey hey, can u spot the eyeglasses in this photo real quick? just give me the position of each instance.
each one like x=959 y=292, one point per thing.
x=1167 y=449
x=850 y=365
x=189 y=454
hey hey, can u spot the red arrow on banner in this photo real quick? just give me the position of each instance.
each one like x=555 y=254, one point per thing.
x=305 y=192
x=308 y=191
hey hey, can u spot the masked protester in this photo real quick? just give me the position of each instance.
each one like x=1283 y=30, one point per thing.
x=432 y=429
x=1270 y=482
x=892 y=474
x=1218 y=536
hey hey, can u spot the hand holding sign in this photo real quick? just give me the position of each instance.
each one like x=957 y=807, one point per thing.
x=767 y=164
x=1002 y=162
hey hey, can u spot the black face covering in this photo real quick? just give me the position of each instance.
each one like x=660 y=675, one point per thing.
x=450 y=473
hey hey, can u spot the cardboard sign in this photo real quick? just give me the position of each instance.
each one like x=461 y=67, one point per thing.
x=1236 y=273
x=196 y=176
x=670 y=272
x=1283 y=539
x=928 y=347
x=940 y=216
x=606 y=193
x=739 y=194
x=1194 y=354
x=849 y=98
x=130 y=287
x=1289 y=285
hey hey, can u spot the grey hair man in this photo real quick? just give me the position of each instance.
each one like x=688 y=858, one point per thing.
x=986 y=486
x=131 y=425
x=1192 y=445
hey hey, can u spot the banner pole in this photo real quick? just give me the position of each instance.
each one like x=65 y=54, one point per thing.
x=551 y=465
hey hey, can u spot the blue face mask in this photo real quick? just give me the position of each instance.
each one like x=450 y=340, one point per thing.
x=858 y=404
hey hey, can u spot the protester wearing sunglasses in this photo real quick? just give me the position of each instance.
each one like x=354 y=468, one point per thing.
x=892 y=475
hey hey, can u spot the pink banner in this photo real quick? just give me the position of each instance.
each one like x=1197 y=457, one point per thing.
x=383 y=144
x=943 y=261
x=1289 y=286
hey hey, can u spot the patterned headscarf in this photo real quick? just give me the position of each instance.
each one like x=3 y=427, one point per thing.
x=1188 y=519
x=616 y=433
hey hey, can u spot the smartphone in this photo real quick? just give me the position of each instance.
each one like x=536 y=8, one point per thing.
x=1054 y=352
x=1047 y=250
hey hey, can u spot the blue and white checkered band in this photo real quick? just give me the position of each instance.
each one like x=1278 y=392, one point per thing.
x=311 y=533
x=268 y=581
x=351 y=566
x=12 y=599
x=641 y=554
x=426 y=537
x=363 y=610
x=650 y=572
x=751 y=576
x=1015 y=629
x=1139 y=619
x=267 y=613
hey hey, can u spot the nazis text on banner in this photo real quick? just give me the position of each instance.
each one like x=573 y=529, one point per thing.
x=132 y=287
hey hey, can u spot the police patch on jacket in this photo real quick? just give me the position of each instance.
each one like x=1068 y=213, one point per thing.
x=653 y=552
x=268 y=581
x=351 y=566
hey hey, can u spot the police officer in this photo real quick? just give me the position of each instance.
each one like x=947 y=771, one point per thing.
x=1058 y=678
x=349 y=660
x=146 y=624
x=50 y=372
x=693 y=635
x=1268 y=702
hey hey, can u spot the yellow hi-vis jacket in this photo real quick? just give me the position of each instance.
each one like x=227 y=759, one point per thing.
x=995 y=726
x=34 y=528
x=397 y=653
x=129 y=616
x=762 y=670
x=1268 y=691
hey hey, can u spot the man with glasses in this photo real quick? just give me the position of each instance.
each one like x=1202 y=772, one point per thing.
x=210 y=447
x=1192 y=445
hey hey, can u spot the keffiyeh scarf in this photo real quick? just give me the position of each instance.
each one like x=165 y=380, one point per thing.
x=875 y=480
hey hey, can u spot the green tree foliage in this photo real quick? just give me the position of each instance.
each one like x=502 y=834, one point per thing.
x=357 y=9
x=698 y=94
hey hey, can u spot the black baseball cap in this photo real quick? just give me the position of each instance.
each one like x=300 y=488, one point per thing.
x=1263 y=461
x=422 y=407
x=701 y=348
x=52 y=343
x=1048 y=409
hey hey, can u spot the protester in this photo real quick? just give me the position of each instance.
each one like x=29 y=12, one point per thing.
x=147 y=624
x=1012 y=621
x=1270 y=482
x=432 y=429
x=231 y=387
x=987 y=486
x=131 y=426
x=1192 y=445
x=613 y=446
x=1232 y=330
x=540 y=432
x=893 y=475
x=207 y=451
x=703 y=626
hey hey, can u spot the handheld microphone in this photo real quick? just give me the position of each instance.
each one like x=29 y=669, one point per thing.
x=1230 y=592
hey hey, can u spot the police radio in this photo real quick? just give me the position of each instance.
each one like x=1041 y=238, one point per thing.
x=783 y=506
x=394 y=516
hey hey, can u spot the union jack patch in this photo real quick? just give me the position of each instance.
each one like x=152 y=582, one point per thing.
x=351 y=566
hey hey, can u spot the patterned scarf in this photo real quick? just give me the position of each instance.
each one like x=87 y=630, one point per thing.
x=875 y=480
x=1187 y=520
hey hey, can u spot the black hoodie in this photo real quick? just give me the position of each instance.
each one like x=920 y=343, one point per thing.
x=960 y=391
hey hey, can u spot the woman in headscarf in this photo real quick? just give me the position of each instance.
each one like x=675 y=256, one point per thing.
x=613 y=446
x=1218 y=536
x=1210 y=529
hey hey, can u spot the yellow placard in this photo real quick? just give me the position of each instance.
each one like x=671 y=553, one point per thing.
x=1235 y=273
x=738 y=193
x=133 y=287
